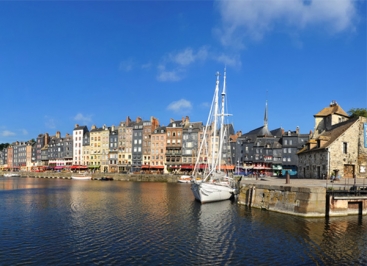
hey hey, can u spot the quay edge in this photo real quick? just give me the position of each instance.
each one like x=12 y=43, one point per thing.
x=116 y=177
x=304 y=201
x=300 y=201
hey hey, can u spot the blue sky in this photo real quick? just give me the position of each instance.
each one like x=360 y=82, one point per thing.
x=96 y=62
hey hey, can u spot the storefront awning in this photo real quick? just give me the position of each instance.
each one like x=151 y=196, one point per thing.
x=227 y=167
x=78 y=167
x=187 y=166
x=94 y=166
x=156 y=166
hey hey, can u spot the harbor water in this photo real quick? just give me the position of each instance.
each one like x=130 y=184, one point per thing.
x=70 y=222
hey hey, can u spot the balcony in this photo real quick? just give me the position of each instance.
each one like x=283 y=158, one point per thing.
x=173 y=153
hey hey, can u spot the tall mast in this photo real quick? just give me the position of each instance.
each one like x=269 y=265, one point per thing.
x=266 y=111
x=222 y=121
x=215 y=116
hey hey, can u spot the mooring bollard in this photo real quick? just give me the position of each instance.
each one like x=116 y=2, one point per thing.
x=287 y=178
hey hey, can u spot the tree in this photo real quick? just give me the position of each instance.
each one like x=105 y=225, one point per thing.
x=3 y=146
x=355 y=112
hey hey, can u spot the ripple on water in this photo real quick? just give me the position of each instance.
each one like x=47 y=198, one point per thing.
x=111 y=223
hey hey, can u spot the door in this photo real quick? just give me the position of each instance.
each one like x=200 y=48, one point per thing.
x=348 y=171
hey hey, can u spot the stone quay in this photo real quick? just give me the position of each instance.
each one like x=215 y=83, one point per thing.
x=306 y=197
x=96 y=176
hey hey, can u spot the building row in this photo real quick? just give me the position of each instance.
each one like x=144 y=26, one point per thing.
x=337 y=144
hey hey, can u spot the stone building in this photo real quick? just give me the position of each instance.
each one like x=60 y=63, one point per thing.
x=158 y=150
x=174 y=132
x=337 y=146
x=78 y=147
x=190 y=144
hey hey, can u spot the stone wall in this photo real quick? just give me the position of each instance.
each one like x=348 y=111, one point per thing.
x=118 y=177
x=338 y=159
x=300 y=201
x=361 y=170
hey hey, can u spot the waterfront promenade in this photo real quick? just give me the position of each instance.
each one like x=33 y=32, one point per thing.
x=305 y=182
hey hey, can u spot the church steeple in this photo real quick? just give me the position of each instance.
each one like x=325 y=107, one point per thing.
x=266 y=115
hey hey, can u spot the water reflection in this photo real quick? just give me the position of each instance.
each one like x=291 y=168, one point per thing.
x=93 y=222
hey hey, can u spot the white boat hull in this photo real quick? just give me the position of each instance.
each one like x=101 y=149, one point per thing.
x=81 y=177
x=184 y=179
x=211 y=192
x=12 y=175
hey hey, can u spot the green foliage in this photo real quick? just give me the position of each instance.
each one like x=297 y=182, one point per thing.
x=355 y=112
x=3 y=146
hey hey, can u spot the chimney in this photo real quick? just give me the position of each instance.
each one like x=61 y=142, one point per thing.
x=138 y=119
x=297 y=130
x=171 y=120
x=76 y=125
x=93 y=127
x=128 y=120
x=112 y=128
x=46 y=138
x=58 y=134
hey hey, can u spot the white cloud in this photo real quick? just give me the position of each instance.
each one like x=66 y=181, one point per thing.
x=205 y=105
x=255 y=18
x=146 y=66
x=50 y=122
x=24 y=132
x=127 y=65
x=83 y=118
x=7 y=133
x=234 y=61
x=174 y=65
x=169 y=76
x=180 y=106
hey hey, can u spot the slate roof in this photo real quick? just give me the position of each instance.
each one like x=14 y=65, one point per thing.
x=329 y=136
x=333 y=108
x=81 y=128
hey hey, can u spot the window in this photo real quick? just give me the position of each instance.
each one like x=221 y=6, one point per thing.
x=345 y=147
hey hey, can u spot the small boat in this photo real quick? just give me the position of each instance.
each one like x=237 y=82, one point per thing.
x=12 y=175
x=85 y=176
x=184 y=179
x=104 y=178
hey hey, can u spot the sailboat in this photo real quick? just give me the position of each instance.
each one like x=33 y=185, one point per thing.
x=213 y=184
